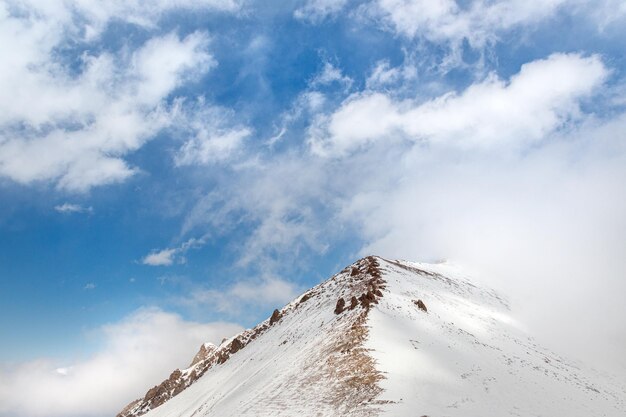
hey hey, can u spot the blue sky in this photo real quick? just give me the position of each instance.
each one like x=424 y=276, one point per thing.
x=194 y=164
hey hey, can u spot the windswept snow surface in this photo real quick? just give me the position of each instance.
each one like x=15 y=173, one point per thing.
x=464 y=357
x=467 y=356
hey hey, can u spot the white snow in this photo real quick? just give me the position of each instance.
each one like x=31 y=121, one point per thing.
x=465 y=357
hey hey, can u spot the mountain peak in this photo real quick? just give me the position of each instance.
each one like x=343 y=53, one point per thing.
x=206 y=350
x=383 y=337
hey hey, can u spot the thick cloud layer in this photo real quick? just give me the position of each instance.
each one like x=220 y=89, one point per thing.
x=137 y=352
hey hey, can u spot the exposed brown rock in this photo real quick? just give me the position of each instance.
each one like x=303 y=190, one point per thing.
x=126 y=410
x=341 y=303
x=205 y=351
x=222 y=357
x=420 y=304
x=372 y=267
x=365 y=302
x=178 y=389
x=374 y=284
x=353 y=303
x=175 y=375
x=236 y=346
x=159 y=394
x=276 y=315
x=371 y=297
x=354 y=271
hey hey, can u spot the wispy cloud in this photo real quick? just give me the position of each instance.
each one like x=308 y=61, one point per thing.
x=73 y=208
x=240 y=297
x=317 y=10
x=166 y=257
x=447 y=20
x=329 y=75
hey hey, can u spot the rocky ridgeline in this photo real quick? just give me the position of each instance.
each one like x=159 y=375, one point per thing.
x=208 y=356
x=360 y=283
x=364 y=275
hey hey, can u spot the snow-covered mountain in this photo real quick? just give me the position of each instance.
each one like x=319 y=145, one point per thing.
x=385 y=338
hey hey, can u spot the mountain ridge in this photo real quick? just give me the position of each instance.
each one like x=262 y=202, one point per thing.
x=384 y=337
x=210 y=355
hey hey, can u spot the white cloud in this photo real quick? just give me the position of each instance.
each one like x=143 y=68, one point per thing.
x=138 y=351
x=536 y=101
x=483 y=22
x=90 y=286
x=166 y=257
x=321 y=89
x=384 y=76
x=545 y=226
x=269 y=291
x=330 y=74
x=281 y=199
x=211 y=145
x=479 y=21
x=95 y=15
x=112 y=109
x=605 y=13
x=81 y=125
x=317 y=10
x=73 y=208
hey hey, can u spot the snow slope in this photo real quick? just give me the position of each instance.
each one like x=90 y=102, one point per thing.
x=467 y=357
x=377 y=353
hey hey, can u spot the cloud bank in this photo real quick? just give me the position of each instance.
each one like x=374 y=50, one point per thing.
x=137 y=352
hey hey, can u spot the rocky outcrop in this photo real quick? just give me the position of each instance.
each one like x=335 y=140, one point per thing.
x=158 y=394
x=235 y=346
x=205 y=351
x=340 y=305
x=369 y=271
x=420 y=304
x=276 y=315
